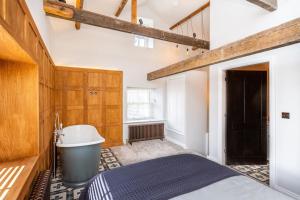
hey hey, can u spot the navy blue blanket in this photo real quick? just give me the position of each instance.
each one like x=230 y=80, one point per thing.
x=157 y=179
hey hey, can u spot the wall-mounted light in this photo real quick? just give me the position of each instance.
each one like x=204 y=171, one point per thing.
x=141 y=21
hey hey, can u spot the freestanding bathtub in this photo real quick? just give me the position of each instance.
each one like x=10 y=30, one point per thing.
x=79 y=147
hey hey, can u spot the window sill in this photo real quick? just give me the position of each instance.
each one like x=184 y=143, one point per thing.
x=144 y=121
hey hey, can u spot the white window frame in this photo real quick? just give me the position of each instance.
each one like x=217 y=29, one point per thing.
x=150 y=103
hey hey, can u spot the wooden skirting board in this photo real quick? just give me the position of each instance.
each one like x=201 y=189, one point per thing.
x=276 y=37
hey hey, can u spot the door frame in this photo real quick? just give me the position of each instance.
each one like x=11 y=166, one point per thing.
x=217 y=142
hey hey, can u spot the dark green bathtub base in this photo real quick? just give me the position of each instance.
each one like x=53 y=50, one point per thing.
x=79 y=164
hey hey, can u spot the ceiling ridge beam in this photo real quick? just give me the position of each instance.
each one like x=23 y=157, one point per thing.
x=79 y=5
x=134 y=11
x=196 y=12
x=68 y=12
x=121 y=7
x=283 y=35
x=270 y=5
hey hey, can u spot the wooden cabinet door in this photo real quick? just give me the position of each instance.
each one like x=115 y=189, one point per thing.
x=113 y=109
x=95 y=109
x=73 y=98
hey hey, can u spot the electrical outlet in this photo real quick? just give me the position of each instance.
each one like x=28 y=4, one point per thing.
x=285 y=115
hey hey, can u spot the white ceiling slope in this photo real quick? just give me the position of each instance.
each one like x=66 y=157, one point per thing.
x=170 y=11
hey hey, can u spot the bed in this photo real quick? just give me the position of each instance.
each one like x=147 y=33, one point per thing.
x=178 y=177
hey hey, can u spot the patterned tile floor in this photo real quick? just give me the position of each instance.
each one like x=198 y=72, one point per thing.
x=59 y=192
x=257 y=172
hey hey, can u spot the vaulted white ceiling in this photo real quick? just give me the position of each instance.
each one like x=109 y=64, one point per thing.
x=170 y=11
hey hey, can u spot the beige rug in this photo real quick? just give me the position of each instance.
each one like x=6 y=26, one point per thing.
x=146 y=150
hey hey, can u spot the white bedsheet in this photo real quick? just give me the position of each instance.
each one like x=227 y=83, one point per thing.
x=234 y=188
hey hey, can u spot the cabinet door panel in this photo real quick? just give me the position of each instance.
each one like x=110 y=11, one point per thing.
x=113 y=135
x=95 y=117
x=95 y=80
x=113 y=80
x=94 y=98
x=113 y=116
x=113 y=98
x=74 y=79
x=74 y=97
x=73 y=117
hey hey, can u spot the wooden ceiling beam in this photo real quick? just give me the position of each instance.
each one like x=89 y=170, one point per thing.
x=270 y=5
x=121 y=7
x=196 y=12
x=79 y=5
x=276 y=37
x=68 y=12
x=134 y=11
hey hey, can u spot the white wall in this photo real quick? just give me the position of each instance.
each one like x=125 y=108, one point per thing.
x=41 y=21
x=197 y=110
x=228 y=26
x=192 y=110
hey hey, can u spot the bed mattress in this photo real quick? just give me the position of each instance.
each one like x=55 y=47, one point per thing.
x=186 y=177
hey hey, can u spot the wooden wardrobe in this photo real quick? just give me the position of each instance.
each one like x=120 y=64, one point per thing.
x=91 y=96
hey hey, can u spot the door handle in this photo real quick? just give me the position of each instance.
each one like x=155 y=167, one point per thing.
x=93 y=92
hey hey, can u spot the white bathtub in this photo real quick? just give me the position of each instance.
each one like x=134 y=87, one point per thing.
x=79 y=148
x=79 y=135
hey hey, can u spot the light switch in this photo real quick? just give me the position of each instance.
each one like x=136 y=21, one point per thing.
x=285 y=115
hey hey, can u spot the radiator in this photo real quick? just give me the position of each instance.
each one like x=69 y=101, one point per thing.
x=145 y=132
x=41 y=188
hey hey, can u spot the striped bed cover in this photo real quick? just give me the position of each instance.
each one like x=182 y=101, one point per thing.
x=157 y=179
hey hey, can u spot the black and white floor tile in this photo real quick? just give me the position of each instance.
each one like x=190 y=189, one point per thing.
x=257 y=172
x=58 y=191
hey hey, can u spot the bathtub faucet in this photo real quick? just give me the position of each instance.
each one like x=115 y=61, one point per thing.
x=58 y=127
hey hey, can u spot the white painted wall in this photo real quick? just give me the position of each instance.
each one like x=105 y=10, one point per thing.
x=228 y=26
x=40 y=20
x=197 y=109
x=193 y=110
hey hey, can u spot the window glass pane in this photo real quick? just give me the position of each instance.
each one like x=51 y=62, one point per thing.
x=141 y=41
x=139 y=105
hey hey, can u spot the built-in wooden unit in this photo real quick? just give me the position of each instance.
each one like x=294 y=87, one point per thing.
x=27 y=98
x=19 y=110
x=91 y=96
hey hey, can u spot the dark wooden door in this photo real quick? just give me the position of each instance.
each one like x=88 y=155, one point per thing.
x=246 y=138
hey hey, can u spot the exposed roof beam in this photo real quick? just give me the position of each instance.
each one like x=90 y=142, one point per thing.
x=276 y=37
x=79 y=5
x=270 y=5
x=68 y=12
x=196 y=12
x=133 y=11
x=121 y=7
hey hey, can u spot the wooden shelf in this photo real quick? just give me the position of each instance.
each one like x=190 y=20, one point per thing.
x=16 y=177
